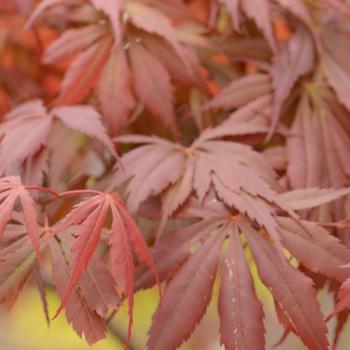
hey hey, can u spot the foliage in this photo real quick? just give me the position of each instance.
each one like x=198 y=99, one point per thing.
x=221 y=125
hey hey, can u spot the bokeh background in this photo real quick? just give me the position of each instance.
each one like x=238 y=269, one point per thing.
x=25 y=328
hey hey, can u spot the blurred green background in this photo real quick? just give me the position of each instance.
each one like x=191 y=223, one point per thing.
x=25 y=327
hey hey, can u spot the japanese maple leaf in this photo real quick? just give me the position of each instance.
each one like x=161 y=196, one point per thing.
x=94 y=296
x=91 y=215
x=26 y=132
x=294 y=60
x=261 y=96
x=319 y=144
x=189 y=289
x=111 y=8
x=108 y=65
x=334 y=38
x=19 y=261
x=11 y=192
x=242 y=178
x=250 y=98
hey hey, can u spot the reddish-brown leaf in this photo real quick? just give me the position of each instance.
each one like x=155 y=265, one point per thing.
x=113 y=89
x=292 y=290
x=315 y=248
x=186 y=297
x=152 y=84
x=84 y=320
x=241 y=314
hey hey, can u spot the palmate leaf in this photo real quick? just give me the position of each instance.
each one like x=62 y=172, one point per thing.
x=11 y=191
x=33 y=124
x=241 y=315
x=89 y=217
x=100 y=54
x=318 y=125
x=295 y=60
x=84 y=320
x=240 y=176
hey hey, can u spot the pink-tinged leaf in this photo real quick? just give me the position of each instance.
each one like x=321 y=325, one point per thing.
x=158 y=178
x=79 y=213
x=231 y=128
x=137 y=164
x=256 y=112
x=123 y=267
x=303 y=147
x=343 y=297
x=312 y=197
x=113 y=90
x=40 y=283
x=14 y=231
x=335 y=46
x=30 y=218
x=112 y=9
x=176 y=68
x=317 y=147
x=86 y=120
x=141 y=139
x=202 y=177
x=153 y=21
x=88 y=236
x=26 y=110
x=293 y=291
x=98 y=288
x=259 y=11
x=91 y=217
x=35 y=167
x=84 y=321
x=17 y=261
x=315 y=248
x=177 y=194
x=152 y=85
x=72 y=41
x=241 y=91
x=96 y=285
x=186 y=297
x=137 y=240
x=295 y=60
x=241 y=314
x=254 y=208
x=83 y=73
x=6 y=210
x=11 y=189
x=33 y=132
